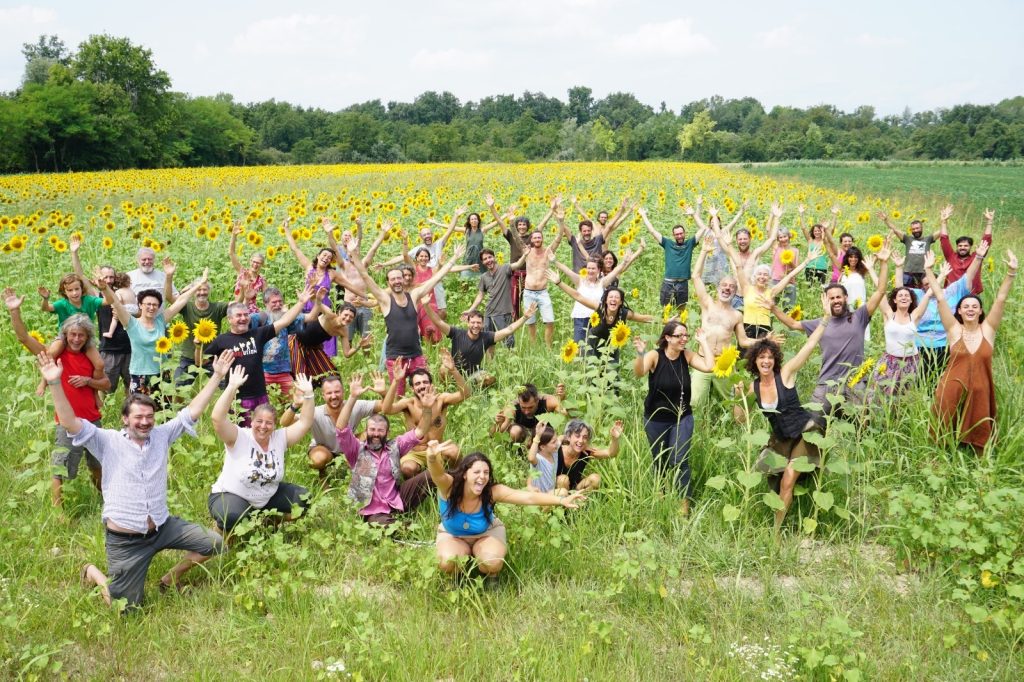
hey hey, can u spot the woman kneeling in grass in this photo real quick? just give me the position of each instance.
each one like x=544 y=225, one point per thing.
x=466 y=496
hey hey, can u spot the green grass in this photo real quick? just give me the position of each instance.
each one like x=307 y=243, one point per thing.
x=624 y=589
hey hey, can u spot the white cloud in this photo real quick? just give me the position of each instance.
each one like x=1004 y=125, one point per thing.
x=452 y=59
x=871 y=40
x=780 y=37
x=299 y=34
x=675 y=37
x=26 y=14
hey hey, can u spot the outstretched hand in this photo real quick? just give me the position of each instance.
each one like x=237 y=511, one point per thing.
x=1011 y=261
x=237 y=376
x=303 y=383
x=50 y=369
x=355 y=385
x=11 y=299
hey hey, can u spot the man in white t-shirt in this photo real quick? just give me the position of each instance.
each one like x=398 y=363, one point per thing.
x=323 y=446
x=146 y=276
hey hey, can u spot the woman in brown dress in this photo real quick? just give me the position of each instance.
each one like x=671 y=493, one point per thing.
x=965 y=399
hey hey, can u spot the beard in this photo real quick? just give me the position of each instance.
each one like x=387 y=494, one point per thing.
x=375 y=443
x=275 y=315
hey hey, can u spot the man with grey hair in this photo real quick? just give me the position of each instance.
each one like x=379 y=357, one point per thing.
x=277 y=360
x=200 y=307
x=146 y=276
x=81 y=379
x=247 y=346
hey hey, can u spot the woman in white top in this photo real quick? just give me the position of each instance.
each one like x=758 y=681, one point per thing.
x=900 y=313
x=253 y=473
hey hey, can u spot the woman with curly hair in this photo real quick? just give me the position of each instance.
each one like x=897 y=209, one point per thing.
x=774 y=389
x=466 y=496
x=901 y=312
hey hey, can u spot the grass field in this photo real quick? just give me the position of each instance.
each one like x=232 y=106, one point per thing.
x=902 y=561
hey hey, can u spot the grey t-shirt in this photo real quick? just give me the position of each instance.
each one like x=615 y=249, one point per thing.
x=499 y=289
x=842 y=345
x=325 y=432
x=916 y=250
x=593 y=247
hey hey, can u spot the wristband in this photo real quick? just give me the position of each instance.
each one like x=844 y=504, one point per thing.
x=52 y=383
x=293 y=408
x=307 y=396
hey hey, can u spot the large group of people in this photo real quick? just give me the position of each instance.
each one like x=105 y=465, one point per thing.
x=112 y=325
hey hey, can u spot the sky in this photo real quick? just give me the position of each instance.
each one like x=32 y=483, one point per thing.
x=890 y=55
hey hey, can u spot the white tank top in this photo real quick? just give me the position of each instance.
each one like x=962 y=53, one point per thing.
x=587 y=290
x=899 y=338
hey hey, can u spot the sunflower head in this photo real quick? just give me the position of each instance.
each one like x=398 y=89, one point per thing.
x=178 y=332
x=797 y=313
x=204 y=331
x=787 y=257
x=583 y=272
x=37 y=336
x=595 y=319
x=163 y=344
x=726 y=362
x=875 y=242
x=569 y=351
x=620 y=335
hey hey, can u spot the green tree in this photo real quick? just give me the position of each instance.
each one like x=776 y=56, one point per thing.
x=581 y=104
x=696 y=136
x=604 y=137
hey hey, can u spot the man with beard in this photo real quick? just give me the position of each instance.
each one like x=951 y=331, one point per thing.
x=917 y=244
x=520 y=418
x=961 y=258
x=535 y=291
x=375 y=461
x=604 y=227
x=323 y=447
x=413 y=408
x=277 y=361
x=137 y=521
x=80 y=379
x=842 y=346
x=147 y=277
x=678 y=254
x=247 y=345
x=743 y=258
x=517 y=245
x=397 y=304
x=469 y=344
x=495 y=282
x=200 y=307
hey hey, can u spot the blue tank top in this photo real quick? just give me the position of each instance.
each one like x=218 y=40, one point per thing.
x=462 y=523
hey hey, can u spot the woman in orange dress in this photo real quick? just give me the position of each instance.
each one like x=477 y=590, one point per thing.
x=965 y=398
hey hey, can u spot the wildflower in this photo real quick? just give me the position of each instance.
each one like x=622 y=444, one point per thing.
x=61 y=246
x=726 y=362
x=583 y=272
x=991 y=264
x=875 y=242
x=204 y=331
x=987 y=581
x=896 y=215
x=620 y=335
x=163 y=344
x=859 y=375
x=666 y=313
x=178 y=332
x=595 y=319
x=797 y=313
x=569 y=351
x=271 y=252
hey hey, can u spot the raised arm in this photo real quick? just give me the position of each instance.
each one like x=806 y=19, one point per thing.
x=76 y=266
x=572 y=293
x=372 y=251
x=573 y=276
x=697 y=274
x=613 y=443
x=371 y=285
x=883 y=279
x=884 y=217
x=52 y=371
x=456 y=214
x=419 y=290
x=784 y=282
x=995 y=313
x=657 y=236
x=435 y=465
x=355 y=391
x=508 y=331
x=180 y=302
x=624 y=264
x=13 y=302
x=289 y=316
x=302 y=258
x=221 y=365
x=705 y=360
x=44 y=300
x=441 y=325
x=122 y=314
x=786 y=319
x=294 y=433
x=225 y=429
x=236 y=230
x=465 y=390
x=949 y=322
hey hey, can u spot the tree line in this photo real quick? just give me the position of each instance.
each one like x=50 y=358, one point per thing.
x=107 y=106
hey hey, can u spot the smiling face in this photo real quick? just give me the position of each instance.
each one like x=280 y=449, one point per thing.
x=275 y=303
x=263 y=424
x=238 y=320
x=679 y=234
x=421 y=383
x=853 y=261
x=602 y=217
x=334 y=394
x=586 y=232
x=762 y=276
x=490 y=263
x=255 y=263
x=324 y=258
x=969 y=310
x=836 y=302
x=146 y=260
x=783 y=238
x=427 y=236
x=474 y=220
x=346 y=317
x=202 y=293
x=108 y=275
x=376 y=432
x=743 y=241
x=593 y=271
x=536 y=240
x=396 y=281
x=727 y=289
x=916 y=228
x=477 y=477
x=475 y=326
x=614 y=301
x=522 y=227
x=608 y=262
x=579 y=441
x=963 y=248
x=73 y=291
x=766 y=362
x=422 y=258
x=677 y=338
x=903 y=299
x=76 y=338
x=148 y=307
x=139 y=422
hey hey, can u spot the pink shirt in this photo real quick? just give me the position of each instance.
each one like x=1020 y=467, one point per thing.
x=778 y=269
x=385 y=490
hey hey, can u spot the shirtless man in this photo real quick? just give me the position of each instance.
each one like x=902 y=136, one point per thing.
x=536 y=285
x=517 y=248
x=721 y=324
x=742 y=257
x=412 y=408
x=398 y=306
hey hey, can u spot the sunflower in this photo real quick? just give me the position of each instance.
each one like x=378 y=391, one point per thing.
x=583 y=272
x=787 y=257
x=569 y=351
x=271 y=252
x=875 y=242
x=725 y=362
x=108 y=243
x=797 y=313
x=163 y=345
x=635 y=293
x=595 y=319
x=61 y=246
x=857 y=376
x=178 y=332
x=204 y=331
x=620 y=335
x=896 y=215
x=37 y=336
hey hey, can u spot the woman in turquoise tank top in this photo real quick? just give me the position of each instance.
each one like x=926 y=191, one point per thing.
x=466 y=497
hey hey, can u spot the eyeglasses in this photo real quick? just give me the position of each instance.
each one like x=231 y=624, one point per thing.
x=679 y=336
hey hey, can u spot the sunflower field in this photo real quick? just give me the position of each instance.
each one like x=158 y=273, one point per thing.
x=902 y=559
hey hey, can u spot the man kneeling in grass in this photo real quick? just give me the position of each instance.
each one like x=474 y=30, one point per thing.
x=134 y=459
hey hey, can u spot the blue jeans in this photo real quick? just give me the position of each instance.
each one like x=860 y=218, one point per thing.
x=579 y=329
x=670 y=447
x=361 y=324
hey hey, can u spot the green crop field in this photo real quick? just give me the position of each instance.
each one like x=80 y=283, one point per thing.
x=902 y=560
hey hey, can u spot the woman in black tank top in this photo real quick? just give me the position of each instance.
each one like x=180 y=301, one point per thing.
x=667 y=415
x=774 y=389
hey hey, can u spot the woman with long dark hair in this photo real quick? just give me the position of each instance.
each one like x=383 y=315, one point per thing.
x=901 y=312
x=466 y=496
x=668 y=419
x=611 y=311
